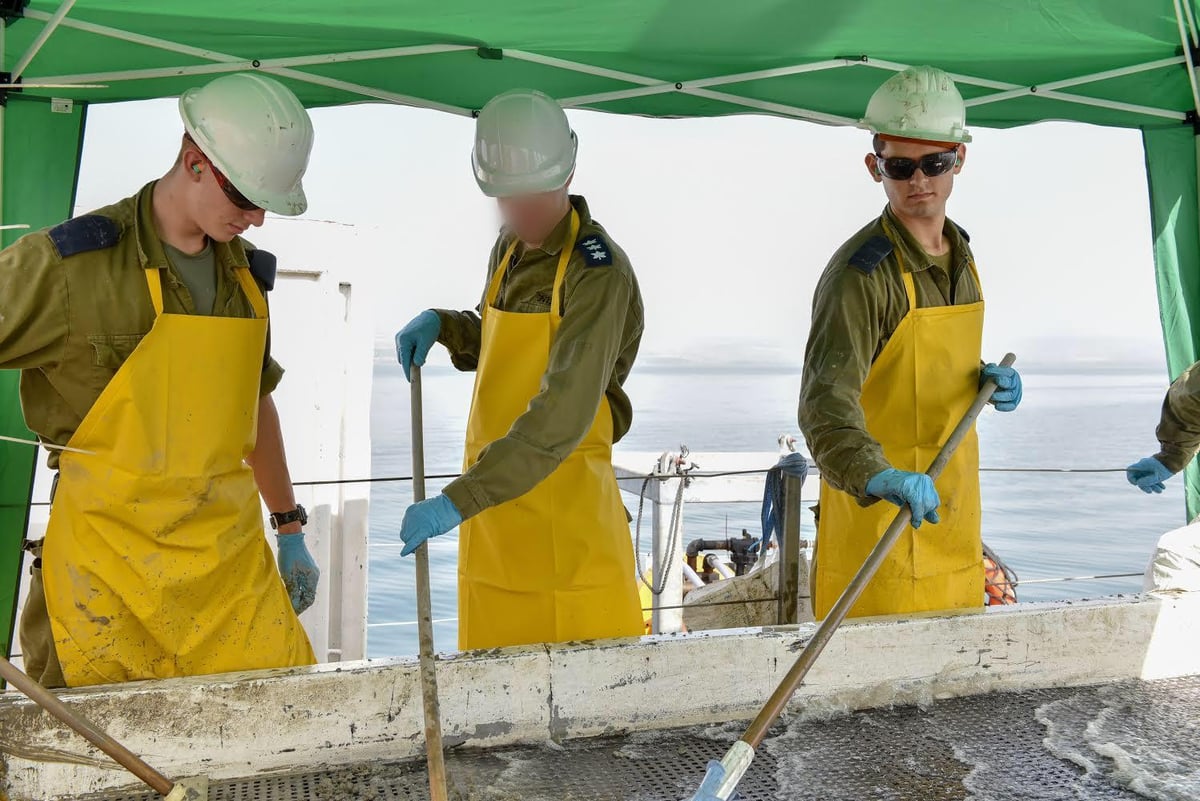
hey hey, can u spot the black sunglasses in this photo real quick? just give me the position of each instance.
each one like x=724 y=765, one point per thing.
x=933 y=165
x=231 y=192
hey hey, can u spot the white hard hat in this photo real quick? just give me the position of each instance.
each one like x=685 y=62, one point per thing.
x=918 y=103
x=523 y=145
x=256 y=132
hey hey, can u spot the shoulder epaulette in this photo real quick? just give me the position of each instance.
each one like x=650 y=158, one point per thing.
x=85 y=234
x=871 y=253
x=966 y=237
x=263 y=265
x=596 y=250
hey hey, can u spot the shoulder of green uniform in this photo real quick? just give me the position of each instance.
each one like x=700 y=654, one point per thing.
x=596 y=249
x=263 y=264
x=864 y=251
x=97 y=230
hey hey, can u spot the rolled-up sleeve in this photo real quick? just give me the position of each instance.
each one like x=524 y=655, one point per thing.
x=845 y=336
x=581 y=362
x=1179 y=428
x=33 y=313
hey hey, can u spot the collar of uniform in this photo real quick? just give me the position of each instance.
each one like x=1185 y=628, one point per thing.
x=554 y=243
x=150 y=249
x=915 y=257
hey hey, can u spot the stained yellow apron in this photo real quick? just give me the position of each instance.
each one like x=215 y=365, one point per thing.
x=555 y=564
x=155 y=563
x=916 y=392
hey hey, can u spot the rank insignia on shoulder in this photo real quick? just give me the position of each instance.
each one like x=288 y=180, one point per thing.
x=85 y=234
x=871 y=253
x=596 y=251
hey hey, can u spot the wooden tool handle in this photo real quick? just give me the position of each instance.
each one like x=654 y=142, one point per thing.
x=433 y=716
x=49 y=702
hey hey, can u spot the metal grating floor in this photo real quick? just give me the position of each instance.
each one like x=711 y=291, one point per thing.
x=1131 y=741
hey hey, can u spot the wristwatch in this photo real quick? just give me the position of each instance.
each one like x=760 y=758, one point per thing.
x=283 y=518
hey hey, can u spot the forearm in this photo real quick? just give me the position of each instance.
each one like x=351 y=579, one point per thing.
x=846 y=332
x=269 y=462
x=461 y=333
x=1179 y=428
x=835 y=431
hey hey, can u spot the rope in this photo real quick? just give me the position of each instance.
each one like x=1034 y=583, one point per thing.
x=643 y=478
x=685 y=476
x=794 y=465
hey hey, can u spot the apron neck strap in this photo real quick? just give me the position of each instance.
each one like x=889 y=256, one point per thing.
x=154 y=283
x=253 y=294
x=910 y=288
x=564 y=258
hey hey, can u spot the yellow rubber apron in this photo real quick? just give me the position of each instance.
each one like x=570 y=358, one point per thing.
x=155 y=563
x=916 y=392
x=555 y=564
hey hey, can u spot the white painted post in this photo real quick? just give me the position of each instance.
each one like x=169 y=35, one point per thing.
x=324 y=343
x=668 y=557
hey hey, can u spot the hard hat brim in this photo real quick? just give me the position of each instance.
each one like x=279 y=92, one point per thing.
x=292 y=204
x=935 y=137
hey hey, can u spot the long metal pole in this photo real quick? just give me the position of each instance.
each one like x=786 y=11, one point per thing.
x=89 y=731
x=791 y=682
x=738 y=760
x=433 y=717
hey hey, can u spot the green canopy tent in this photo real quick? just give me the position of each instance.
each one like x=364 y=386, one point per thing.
x=1128 y=63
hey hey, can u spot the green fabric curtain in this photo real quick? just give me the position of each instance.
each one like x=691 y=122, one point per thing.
x=41 y=159
x=1171 y=166
x=477 y=48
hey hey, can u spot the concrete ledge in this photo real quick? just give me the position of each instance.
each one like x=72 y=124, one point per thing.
x=246 y=724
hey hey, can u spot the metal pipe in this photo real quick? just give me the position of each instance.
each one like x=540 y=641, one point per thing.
x=1187 y=53
x=692 y=577
x=43 y=35
x=778 y=701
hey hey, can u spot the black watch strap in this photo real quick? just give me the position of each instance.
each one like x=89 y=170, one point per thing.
x=283 y=518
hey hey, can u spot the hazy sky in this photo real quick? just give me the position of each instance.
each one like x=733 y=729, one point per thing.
x=729 y=222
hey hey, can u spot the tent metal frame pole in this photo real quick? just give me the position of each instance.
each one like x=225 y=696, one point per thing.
x=1051 y=86
x=679 y=86
x=1082 y=100
x=252 y=64
x=658 y=84
x=1191 y=20
x=644 y=86
x=43 y=36
x=3 y=121
x=1187 y=52
x=225 y=58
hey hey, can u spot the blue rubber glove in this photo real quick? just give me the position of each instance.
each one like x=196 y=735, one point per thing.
x=1007 y=396
x=914 y=490
x=1148 y=475
x=300 y=573
x=427 y=519
x=416 y=339
x=712 y=780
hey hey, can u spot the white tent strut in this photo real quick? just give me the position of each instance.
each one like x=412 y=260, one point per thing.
x=644 y=86
x=1187 y=52
x=296 y=75
x=43 y=36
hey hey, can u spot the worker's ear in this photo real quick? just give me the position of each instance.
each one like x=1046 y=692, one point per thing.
x=962 y=157
x=193 y=164
x=872 y=162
